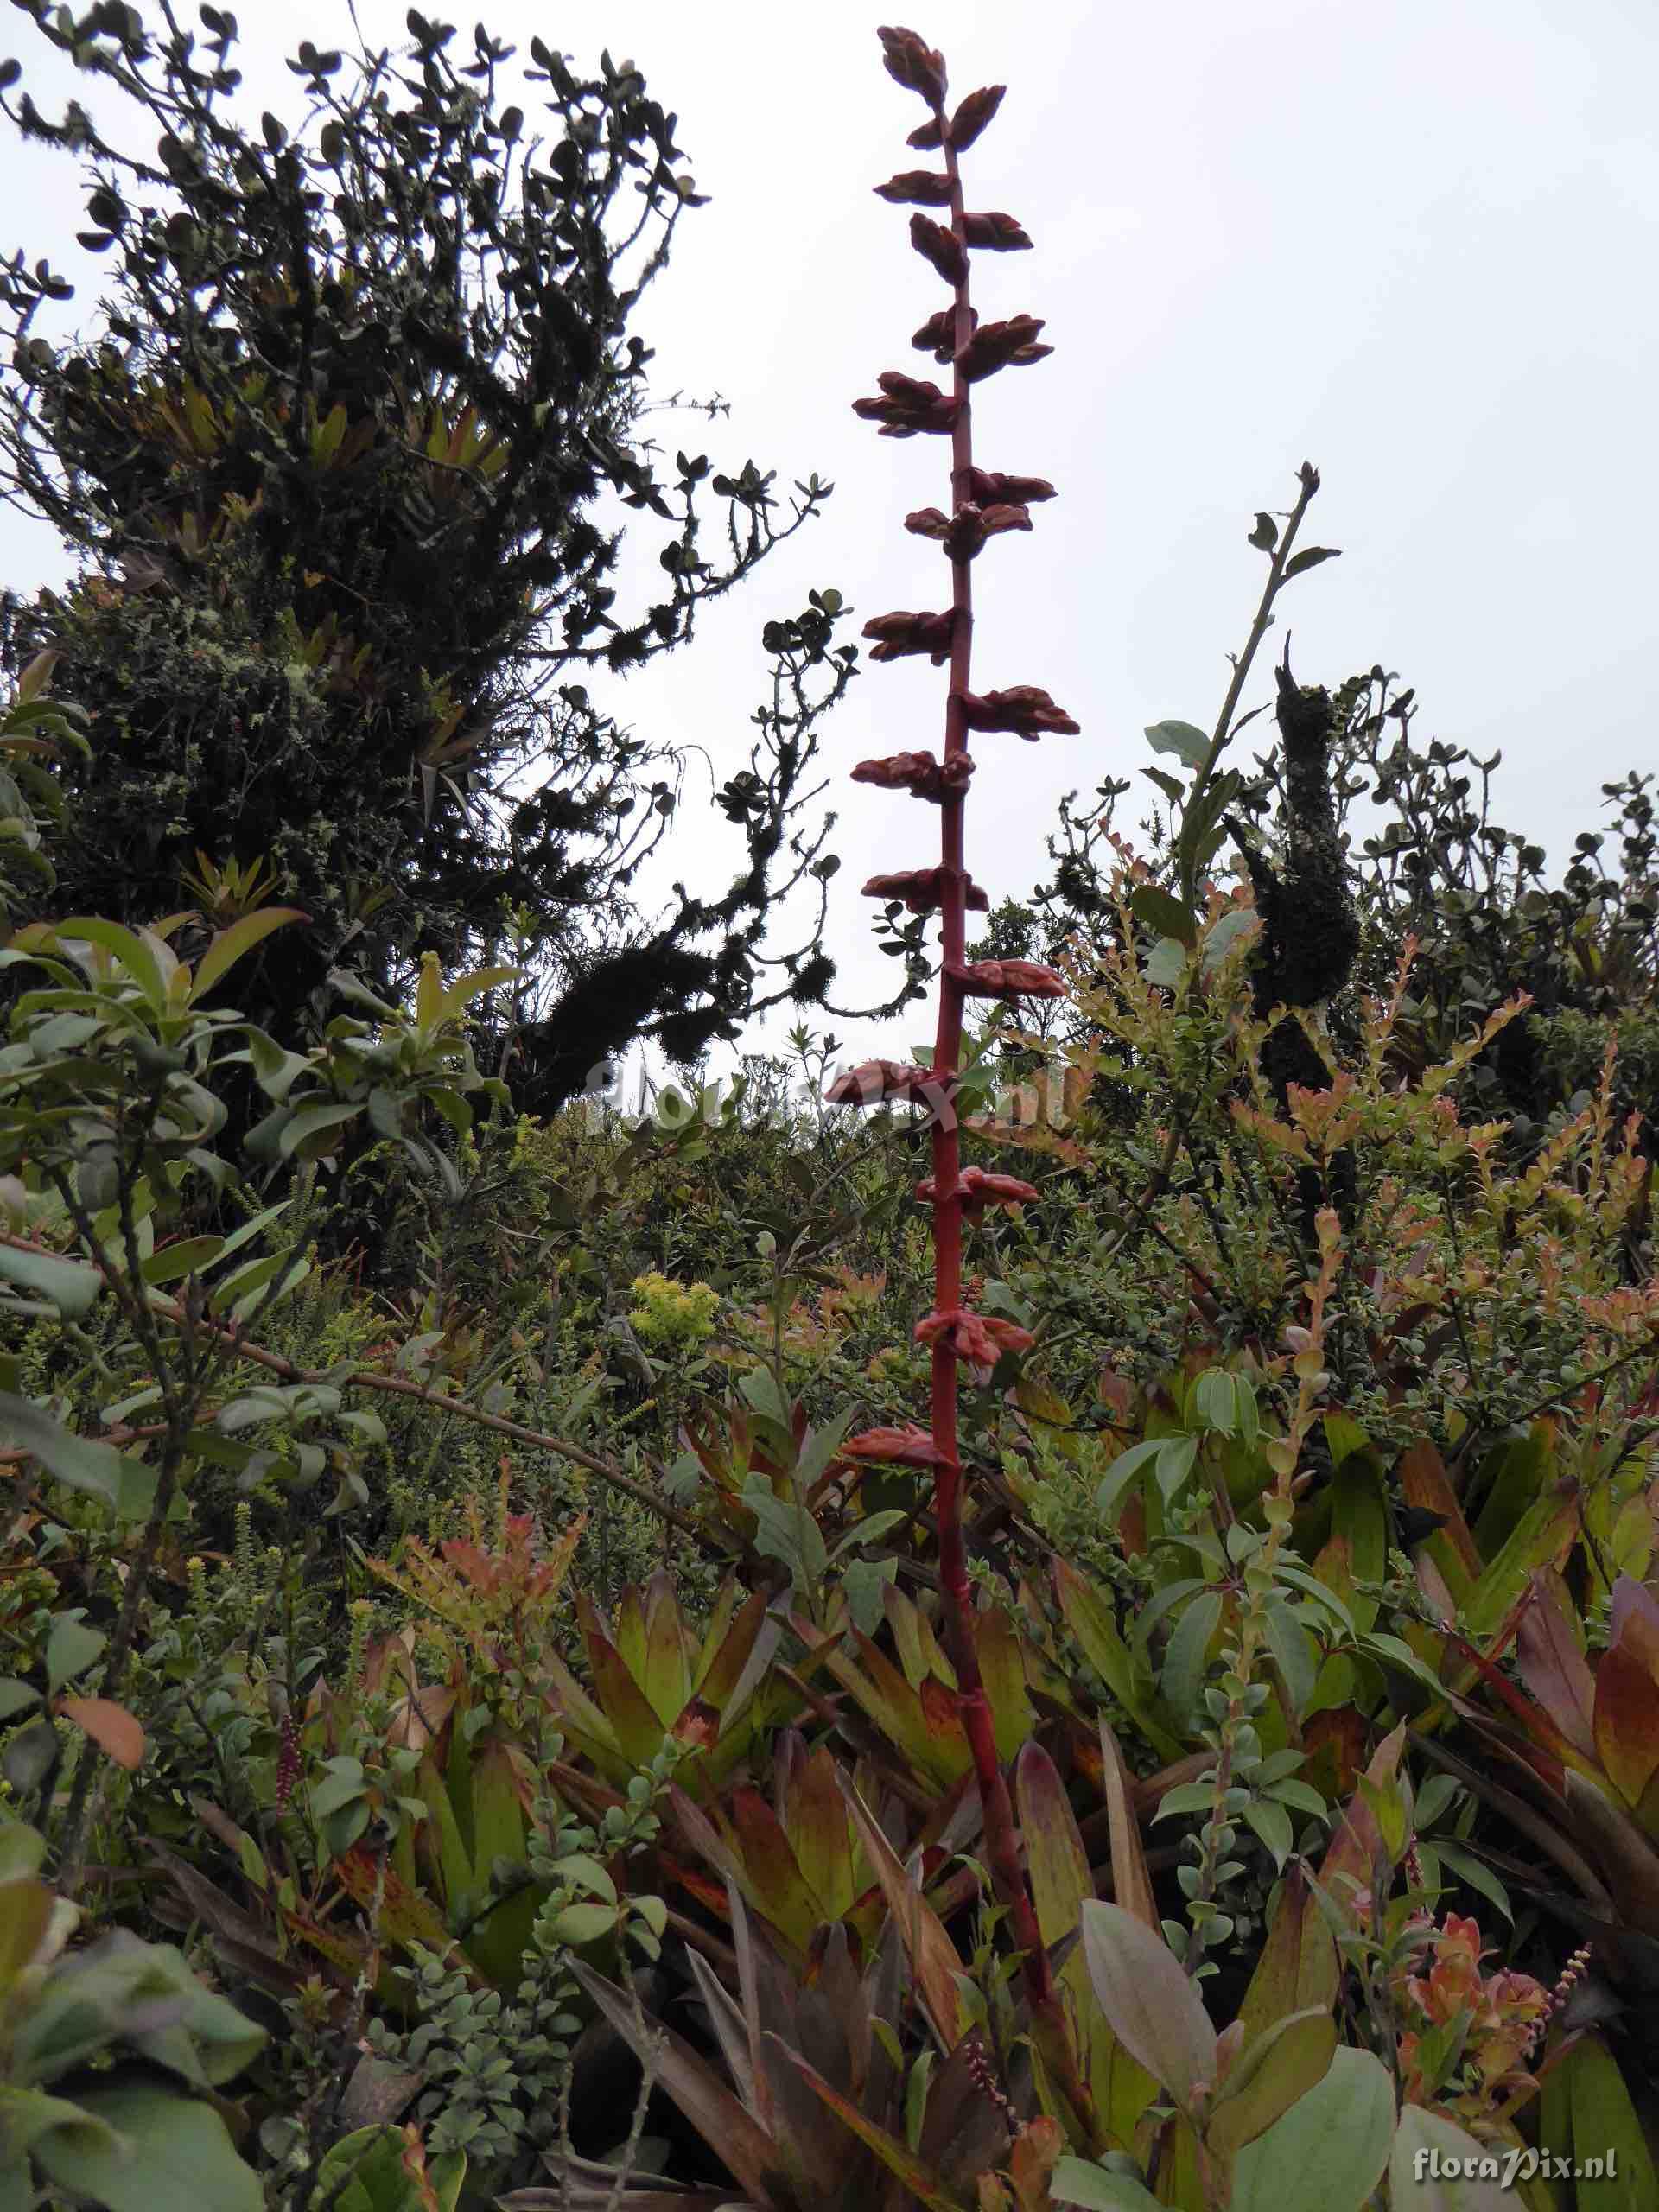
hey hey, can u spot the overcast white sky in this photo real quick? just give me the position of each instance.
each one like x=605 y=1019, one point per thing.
x=1412 y=242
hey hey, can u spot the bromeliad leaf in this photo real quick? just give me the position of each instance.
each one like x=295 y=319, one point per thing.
x=230 y=945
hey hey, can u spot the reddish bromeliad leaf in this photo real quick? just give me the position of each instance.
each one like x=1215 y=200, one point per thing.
x=1626 y=1719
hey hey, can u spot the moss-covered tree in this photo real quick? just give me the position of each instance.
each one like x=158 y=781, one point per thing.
x=342 y=471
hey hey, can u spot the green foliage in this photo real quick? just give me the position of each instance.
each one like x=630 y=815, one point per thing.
x=35 y=731
x=95 y=2045
x=427 y=1775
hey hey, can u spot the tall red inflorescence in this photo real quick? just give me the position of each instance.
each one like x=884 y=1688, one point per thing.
x=984 y=505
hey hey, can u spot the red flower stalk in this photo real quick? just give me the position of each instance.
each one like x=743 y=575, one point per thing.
x=287 y=1763
x=982 y=504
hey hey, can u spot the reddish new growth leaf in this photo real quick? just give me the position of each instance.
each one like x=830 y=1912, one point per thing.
x=980 y=1338
x=937 y=335
x=996 y=346
x=978 y=1187
x=922 y=774
x=963 y=533
x=111 y=1726
x=921 y=187
x=913 y=63
x=905 y=632
x=942 y=247
x=876 y=1082
x=1023 y=710
x=1009 y=979
x=988 y=486
x=997 y=232
x=923 y=889
x=908 y=405
x=973 y=114
x=903 y=1447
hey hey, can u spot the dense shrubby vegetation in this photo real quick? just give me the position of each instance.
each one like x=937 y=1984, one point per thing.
x=528 y=1712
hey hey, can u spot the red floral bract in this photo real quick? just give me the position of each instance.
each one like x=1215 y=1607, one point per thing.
x=978 y=1187
x=903 y=1447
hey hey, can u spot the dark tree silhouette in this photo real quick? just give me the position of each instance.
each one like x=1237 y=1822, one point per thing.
x=343 y=470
